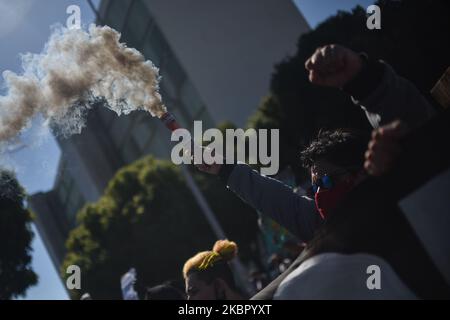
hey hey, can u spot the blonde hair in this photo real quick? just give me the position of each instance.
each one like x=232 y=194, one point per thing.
x=223 y=251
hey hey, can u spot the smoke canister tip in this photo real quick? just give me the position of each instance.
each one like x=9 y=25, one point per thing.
x=169 y=121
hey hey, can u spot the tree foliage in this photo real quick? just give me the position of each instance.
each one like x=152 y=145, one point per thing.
x=147 y=218
x=16 y=274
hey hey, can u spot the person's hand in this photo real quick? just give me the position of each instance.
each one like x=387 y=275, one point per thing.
x=384 y=148
x=209 y=168
x=333 y=66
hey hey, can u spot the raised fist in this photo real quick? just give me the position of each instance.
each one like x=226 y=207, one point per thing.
x=333 y=66
x=384 y=148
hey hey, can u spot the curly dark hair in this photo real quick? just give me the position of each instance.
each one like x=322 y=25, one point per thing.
x=343 y=147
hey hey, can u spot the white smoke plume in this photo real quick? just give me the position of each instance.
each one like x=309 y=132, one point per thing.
x=76 y=68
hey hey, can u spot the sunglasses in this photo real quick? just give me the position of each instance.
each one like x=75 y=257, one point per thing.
x=324 y=182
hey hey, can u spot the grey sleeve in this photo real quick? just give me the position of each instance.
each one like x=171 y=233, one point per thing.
x=271 y=197
x=395 y=98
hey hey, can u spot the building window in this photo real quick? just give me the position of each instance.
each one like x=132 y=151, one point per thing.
x=191 y=100
x=119 y=129
x=142 y=131
x=107 y=116
x=159 y=145
x=155 y=46
x=117 y=12
x=130 y=150
x=64 y=184
x=204 y=115
x=74 y=204
x=136 y=25
x=168 y=91
x=63 y=192
x=172 y=71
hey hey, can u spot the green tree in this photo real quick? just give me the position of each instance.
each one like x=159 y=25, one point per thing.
x=148 y=219
x=412 y=39
x=16 y=274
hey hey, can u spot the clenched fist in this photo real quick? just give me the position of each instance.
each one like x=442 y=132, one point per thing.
x=384 y=148
x=213 y=168
x=333 y=66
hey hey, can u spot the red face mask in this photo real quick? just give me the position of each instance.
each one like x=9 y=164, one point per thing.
x=328 y=199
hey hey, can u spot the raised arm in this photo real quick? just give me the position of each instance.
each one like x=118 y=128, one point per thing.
x=373 y=85
x=296 y=213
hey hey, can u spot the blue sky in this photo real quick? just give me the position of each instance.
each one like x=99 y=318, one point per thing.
x=24 y=27
x=315 y=11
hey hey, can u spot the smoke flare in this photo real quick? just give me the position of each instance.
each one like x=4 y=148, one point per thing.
x=76 y=68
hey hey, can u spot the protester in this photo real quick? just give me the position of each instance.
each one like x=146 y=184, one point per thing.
x=333 y=266
x=335 y=159
x=208 y=275
x=339 y=155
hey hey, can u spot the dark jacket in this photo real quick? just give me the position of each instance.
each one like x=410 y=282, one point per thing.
x=391 y=97
x=385 y=97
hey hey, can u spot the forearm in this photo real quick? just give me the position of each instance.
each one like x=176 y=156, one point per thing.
x=273 y=198
x=385 y=96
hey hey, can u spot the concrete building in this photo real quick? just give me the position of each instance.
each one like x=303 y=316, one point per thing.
x=216 y=59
